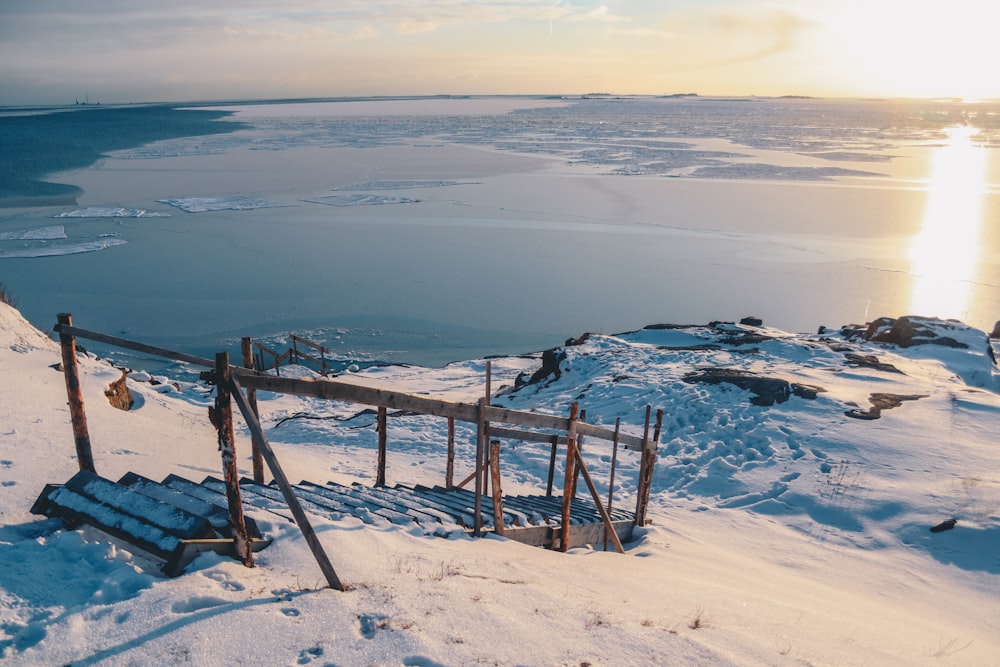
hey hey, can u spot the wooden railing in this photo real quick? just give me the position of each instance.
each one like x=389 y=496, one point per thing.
x=567 y=432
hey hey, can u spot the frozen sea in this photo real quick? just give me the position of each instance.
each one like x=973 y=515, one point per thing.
x=429 y=230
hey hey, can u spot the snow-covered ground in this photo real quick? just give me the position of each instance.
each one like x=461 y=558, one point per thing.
x=793 y=533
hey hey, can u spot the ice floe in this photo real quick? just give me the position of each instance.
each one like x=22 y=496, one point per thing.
x=228 y=203
x=400 y=185
x=58 y=249
x=49 y=232
x=360 y=200
x=111 y=212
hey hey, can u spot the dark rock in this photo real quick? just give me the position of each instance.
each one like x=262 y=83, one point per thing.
x=944 y=525
x=880 y=402
x=909 y=331
x=767 y=391
x=752 y=322
x=870 y=361
x=118 y=394
x=551 y=359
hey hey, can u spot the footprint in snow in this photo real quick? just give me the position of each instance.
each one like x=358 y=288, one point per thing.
x=309 y=654
x=370 y=623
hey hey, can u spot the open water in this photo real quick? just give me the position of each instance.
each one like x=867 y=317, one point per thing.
x=429 y=230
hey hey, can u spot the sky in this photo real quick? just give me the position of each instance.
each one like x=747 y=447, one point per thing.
x=111 y=51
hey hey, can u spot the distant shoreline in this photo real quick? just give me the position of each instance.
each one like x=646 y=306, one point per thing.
x=38 y=145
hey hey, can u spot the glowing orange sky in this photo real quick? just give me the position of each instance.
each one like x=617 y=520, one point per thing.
x=117 y=51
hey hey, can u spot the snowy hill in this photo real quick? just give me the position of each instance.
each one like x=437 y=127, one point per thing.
x=797 y=481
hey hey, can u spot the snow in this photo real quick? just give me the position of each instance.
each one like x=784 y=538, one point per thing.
x=61 y=248
x=221 y=203
x=46 y=233
x=786 y=534
x=111 y=212
x=360 y=200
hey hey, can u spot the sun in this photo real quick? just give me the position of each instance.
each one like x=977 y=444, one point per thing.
x=901 y=48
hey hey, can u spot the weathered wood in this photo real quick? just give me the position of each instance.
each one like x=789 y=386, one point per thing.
x=246 y=349
x=497 y=493
x=568 y=490
x=222 y=417
x=382 y=441
x=480 y=462
x=579 y=448
x=77 y=412
x=640 y=483
x=646 y=467
x=614 y=465
x=550 y=536
x=338 y=390
x=69 y=330
x=552 y=466
x=449 y=472
x=472 y=476
x=605 y=517
x=309 y=343
x=286 y=489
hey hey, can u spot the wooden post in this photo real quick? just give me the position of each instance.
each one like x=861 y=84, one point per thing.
x=568 y=491
x=77 y=413
x=552 y=466
x=382 y=440
x=486 y=425
x=579 y=448
x=449 y=473
x=646 y=468
x=614 y=464
x=605 y=516
x=246 y=348
x=222 y=418
x=301 y=520
x=497 y=500
x=480 y=455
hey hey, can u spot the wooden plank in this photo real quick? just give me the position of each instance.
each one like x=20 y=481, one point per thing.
x=548 y=536
x=449 y=472
x=315 y=346
x=188 y=550
x=568 y=490
x=338 y=390
x=78 y=415
x=342 y=391
x=481 y=461
x=605 y=517
x=69 y=330
x=301 y=520
x=246 y=349
x=221 y=417
x=497 y=493
x=380 y=429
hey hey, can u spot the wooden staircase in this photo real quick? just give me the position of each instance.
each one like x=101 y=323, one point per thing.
x=176 y=519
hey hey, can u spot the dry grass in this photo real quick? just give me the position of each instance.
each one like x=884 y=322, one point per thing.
x=7 y=297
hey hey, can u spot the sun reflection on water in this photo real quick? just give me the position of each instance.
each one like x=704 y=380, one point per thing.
x=945 y=255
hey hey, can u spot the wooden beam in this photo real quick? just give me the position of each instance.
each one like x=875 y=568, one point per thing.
x=286 y=488
x=69 y=330
x=497 y=493
x=614 y=465
x=338 y=390
x=222 y=417
x=246 y=349
x=567 y=498
x=449 y=473
x=380 y=428
x=77 y=413
x=605 y=517
x=480 y=462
